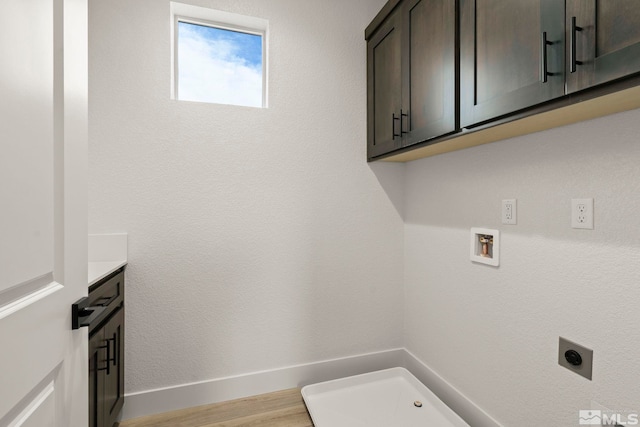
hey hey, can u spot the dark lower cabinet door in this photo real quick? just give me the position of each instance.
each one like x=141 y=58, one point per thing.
x=106 y=372
x=114 y=378
x=97 y=356
x=603 y=39
x=511 y=56
x=384 y=87
x=429 y=70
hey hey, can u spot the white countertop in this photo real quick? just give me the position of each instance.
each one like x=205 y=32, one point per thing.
x=100 y=270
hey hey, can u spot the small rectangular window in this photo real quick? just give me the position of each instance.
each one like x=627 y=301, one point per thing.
x=216 y=59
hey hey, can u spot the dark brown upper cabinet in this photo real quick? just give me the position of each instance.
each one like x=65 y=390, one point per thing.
x=603 y=38
x=384 y=87
x=511 y=56
x=443 y=75
x=411 y=74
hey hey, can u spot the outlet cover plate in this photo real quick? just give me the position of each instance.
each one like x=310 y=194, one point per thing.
x=582 y=213
x=509 y=211
x=586 y=368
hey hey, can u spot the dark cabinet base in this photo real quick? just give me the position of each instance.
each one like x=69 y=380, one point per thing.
x=106 y=352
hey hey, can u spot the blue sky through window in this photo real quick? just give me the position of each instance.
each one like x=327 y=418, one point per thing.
x=219 y=66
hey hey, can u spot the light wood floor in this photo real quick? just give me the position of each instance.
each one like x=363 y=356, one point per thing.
x=279 y=409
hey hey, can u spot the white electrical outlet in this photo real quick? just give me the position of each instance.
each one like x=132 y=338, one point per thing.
x=582 y=213
x=509 y=211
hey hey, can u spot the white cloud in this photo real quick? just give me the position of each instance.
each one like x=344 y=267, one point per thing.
x=210 y=71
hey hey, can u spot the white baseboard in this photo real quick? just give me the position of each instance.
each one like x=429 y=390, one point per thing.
x=453 y=398
x=222 y=389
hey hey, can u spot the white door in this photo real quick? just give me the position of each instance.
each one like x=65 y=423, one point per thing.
x=43 y=212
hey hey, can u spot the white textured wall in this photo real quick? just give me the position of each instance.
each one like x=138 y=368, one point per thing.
x=262 y=239
x=493 y=333
x=257 y=238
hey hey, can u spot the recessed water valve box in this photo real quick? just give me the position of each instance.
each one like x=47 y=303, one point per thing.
x=485 y=246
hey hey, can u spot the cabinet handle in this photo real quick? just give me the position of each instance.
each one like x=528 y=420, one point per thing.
x=110 y=359
x=572 y=51
x=108 y=367
x=393 y=126
x=115 y=348
x=402 y=132
x=543 y=64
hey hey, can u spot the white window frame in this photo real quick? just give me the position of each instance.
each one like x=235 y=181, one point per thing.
x=181 y=12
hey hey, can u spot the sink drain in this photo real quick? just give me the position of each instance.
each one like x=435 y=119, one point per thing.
x=417 y=404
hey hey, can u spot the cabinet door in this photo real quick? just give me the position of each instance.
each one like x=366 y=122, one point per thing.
x=511 y=56
x=603 y=41
x=97 y=368
x=429 y=69
x=114 y=378
x=384 y=87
